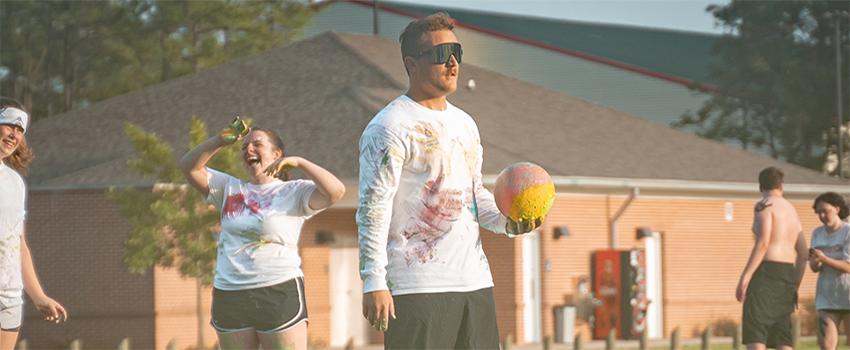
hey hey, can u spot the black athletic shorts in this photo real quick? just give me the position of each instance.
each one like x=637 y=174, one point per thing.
x=451 y=320
x=771 y=298
x=838 y=312
x=269 y=309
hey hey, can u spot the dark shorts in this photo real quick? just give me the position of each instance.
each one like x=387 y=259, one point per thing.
x=837 y=312
x=449 y=320
x=269 y=309
x=771 y=298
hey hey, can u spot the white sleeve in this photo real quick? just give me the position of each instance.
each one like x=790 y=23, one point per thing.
x=24 y=199
x=217 y=183
x=303 y=191
x=382 y=156
x=489 y=216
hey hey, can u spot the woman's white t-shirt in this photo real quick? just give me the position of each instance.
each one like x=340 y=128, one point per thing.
x=12 y=215
x=260 y=228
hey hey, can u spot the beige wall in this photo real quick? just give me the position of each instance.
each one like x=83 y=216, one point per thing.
x=505 y=257
x=702 y=254
x=77 y=241
x=76 y=238
x=176 y=310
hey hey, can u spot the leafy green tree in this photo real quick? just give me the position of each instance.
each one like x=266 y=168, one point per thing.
x=56 y=56
x=172 y=225
x=775 y=71
x=53 y=53
x=192 y=35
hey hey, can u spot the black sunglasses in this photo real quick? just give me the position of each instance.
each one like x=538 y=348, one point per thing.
x=442 y=53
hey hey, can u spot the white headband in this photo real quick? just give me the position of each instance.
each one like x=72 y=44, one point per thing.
x=14 y=116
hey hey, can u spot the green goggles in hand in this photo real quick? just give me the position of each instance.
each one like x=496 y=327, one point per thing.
x=441 y=54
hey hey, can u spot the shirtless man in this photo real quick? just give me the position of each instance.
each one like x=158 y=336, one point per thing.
x=768 y=285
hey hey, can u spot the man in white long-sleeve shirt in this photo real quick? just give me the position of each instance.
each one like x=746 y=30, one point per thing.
x=427 y=282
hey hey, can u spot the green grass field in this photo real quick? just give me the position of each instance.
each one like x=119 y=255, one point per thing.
x=809 y=345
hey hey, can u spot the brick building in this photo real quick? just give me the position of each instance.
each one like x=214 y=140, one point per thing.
x=694 y=194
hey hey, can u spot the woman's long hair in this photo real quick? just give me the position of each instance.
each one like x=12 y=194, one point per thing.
x=22 y=156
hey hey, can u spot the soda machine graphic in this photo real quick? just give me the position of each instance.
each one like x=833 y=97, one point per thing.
x=619 y=287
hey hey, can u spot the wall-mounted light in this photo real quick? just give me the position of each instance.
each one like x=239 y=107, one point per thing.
x=643 y=232
x=325 y=237
x=560 y=231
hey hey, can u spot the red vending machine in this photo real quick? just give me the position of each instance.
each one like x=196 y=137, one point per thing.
x=619 y=287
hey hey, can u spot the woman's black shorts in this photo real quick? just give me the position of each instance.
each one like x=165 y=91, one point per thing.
x=271 y=309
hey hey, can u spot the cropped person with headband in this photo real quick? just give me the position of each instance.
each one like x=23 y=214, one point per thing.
x=17 y=272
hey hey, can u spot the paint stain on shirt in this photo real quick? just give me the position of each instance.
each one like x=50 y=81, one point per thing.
x=439 y=209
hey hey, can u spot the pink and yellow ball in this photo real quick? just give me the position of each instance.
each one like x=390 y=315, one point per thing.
x=524 y=191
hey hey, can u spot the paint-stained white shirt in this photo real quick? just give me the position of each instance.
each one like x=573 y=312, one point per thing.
x=13 y=193
x=260 y=227
x=421 y=200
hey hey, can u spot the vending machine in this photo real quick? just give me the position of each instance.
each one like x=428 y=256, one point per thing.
x=619 y=287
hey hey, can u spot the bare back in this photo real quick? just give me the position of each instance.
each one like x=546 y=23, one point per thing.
x=777 y=214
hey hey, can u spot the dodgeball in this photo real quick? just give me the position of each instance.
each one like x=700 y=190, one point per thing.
x=524 y=192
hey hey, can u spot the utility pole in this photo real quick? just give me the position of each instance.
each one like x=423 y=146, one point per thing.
x=838 y=100
x=841 y=119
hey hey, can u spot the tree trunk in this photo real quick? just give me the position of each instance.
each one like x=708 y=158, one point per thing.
x=67 y=67
x=163 y=55
x=194 y=55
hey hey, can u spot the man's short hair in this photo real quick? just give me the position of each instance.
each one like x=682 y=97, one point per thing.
x=411 y=37
x=770 y=178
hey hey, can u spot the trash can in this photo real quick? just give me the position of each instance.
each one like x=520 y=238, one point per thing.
x=565 y=323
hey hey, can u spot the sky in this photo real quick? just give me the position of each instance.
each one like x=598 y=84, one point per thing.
x=686 y=15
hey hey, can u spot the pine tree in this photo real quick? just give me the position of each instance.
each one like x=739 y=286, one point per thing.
x=172 y=225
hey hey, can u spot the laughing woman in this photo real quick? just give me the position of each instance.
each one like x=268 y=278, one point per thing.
x=17 y=273
x=258 y=294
